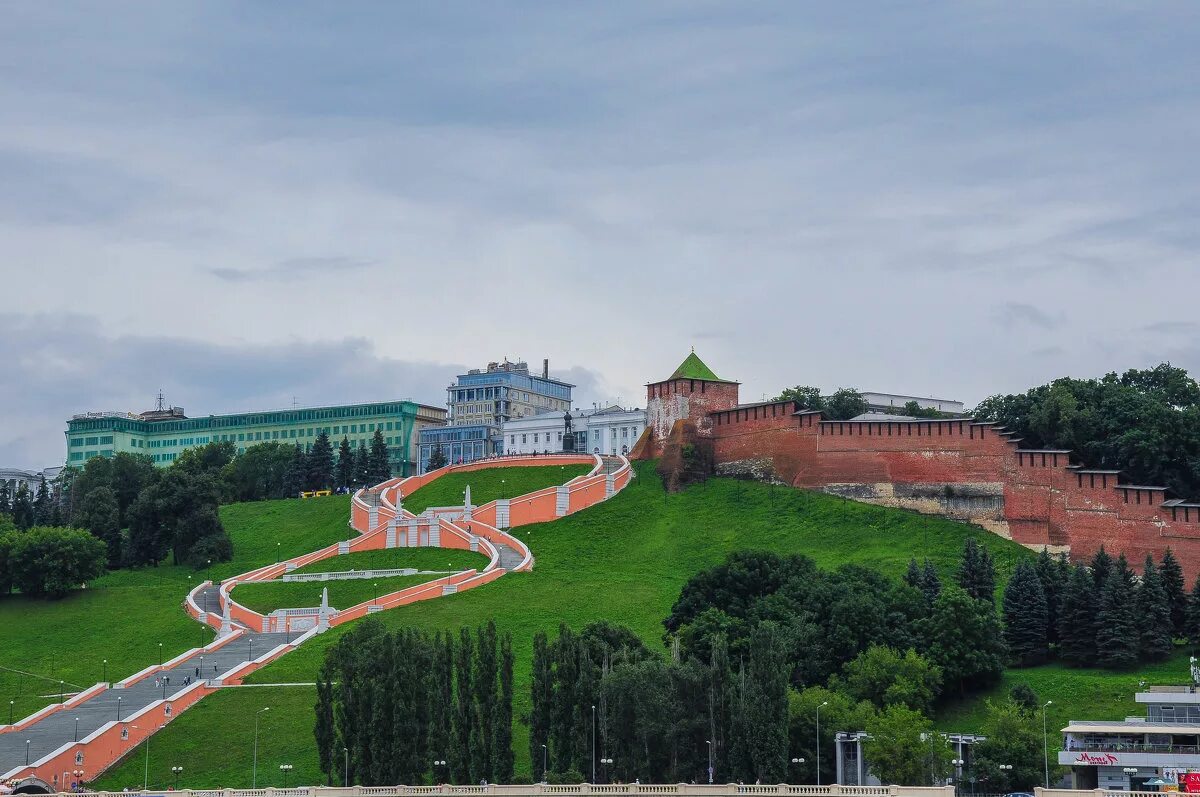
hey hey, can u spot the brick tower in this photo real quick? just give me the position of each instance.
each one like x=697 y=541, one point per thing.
x=688 y=395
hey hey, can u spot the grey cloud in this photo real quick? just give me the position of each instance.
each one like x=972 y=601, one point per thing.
x=1172 y=328
x=1014 y=314
x=292 y=268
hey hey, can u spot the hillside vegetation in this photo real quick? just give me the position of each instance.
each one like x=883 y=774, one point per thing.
x=490 y=484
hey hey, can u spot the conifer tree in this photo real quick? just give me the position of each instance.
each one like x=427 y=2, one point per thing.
x=1117 y=636
x=1176 y=589
x=1154 y=614
x=913 y=577
x=1192 y=616
x=323 y=729
x=296 y=474
x=464 y=714
x=362 y=466
x=442 y=703
x=541 y=705
x=320 y=463
x=1025 y=616
x=1051 y=575
x=41 y=505
x=378 y=466
x=932 y=586
x=966 y=640
x=1121 y=567
x=502 y=749
x=1102 y=565
x=566 y=681
x=1077 y=619
x=484 y=684
x=977 y=572
x=437 y=458
x=5 y=499
x=345 y=464
x=22 y=508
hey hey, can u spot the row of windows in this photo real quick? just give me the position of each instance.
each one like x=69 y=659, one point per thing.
x=91 y=441
x=218 y=422
x=627 y=432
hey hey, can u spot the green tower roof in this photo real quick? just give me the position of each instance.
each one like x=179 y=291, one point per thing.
x=694 y=368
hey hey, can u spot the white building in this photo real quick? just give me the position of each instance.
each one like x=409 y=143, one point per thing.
x=603 y=430
x=12 y=478
x=1125 y=754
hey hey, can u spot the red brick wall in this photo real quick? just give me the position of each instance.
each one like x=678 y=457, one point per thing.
x=1038 y=498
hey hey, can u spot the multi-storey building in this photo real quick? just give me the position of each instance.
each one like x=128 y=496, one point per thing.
x=598 y=430
x=1126 y=754
x=481 y=401
x=164 y=433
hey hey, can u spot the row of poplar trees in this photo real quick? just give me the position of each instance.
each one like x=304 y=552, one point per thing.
x=391 y=704
x=601 y=695
x=1100 y=613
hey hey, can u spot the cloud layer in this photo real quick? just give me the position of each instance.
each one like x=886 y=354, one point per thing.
x=935 y=199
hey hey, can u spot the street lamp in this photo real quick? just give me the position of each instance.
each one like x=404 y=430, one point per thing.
x=826 y=703
x=285 y=769
x=797 y=761
x=1046 y=745
x=10 y=711
x=593 y=744
x=106 y=672
x=160 y=659
x=118 y=708
x=710 y=766
x=77 y=729
x=376 y=585
x=27 y=741
x=254 y=772
x=345 y=766
x=607 y=762
x=441 y=762
x=176 y=771
x=957 y=763
x=544 y=754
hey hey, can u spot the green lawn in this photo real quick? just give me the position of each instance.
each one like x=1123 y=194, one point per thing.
x=124 y=615
x=267 y=596
x=216 y=752
x=488 y=485
x=438 y=559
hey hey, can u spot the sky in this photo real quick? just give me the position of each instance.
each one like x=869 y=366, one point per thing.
x=252 y=205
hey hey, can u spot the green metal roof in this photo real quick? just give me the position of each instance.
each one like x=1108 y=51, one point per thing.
x=694 y=368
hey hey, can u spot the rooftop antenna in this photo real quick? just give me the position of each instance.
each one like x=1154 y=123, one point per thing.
x=294 y=403
x=161 y=400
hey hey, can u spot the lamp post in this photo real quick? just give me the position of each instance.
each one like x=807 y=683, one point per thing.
x=826 y=703
x=607 y=762
x=61 y=684
x=106 y=672
x=710 y=766
x=284 y=770
x=254 y=771
x=10 y=711
x=1046 y=745
x=27 y=741
x=593 y=744
x=251 y=640
x=376 y=585
x=797 y=761
x=176 y=771
x=160 y=658
x=957 y=763
x=118 y=708
x=441 y=762
x=345 y=766
x=544 y=759
x=77 y=729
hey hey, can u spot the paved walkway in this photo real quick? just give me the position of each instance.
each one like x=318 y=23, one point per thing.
x=57 y=729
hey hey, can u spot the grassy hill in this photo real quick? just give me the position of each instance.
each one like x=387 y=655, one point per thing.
x=437 y=559
x=267 y=596
x=124 y=615
x=490 y=484
x=626 y=560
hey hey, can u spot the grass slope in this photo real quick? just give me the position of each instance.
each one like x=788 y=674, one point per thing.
x=395 y=558
x=626 y=560
x=267 y=596
x=490 y=484
x=124 y=615
x=215 y=752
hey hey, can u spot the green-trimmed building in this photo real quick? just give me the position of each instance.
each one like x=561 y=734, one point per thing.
x=163 y=434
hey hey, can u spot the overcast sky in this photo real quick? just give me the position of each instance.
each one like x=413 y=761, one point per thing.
x=246 y=204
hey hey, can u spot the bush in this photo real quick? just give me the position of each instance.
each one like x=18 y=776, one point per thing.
x=53 y=561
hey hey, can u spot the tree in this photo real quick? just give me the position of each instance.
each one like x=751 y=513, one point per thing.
x=1023 y=695
x=53 y=561
x=845 y=403
x=5 y=499
x=932 y=586
x=1154 y=614
x=1192 y=618
x=1053 y=573
x=41 y=504
x=966 y=640
x=209 y=458
x=464 y=715
x=502 y=749
x=362 y=466
x=379 y=468
x=903 y=748
x=1173 y=584
x=837 y=711
x=764 y=703
x=1117 y=636
x=101 y=516
x=884 y=677
x=178 y=514
x=262 y=471
x=437 y=458
x=22 y=508
x=805 y=396
x=323 y=729
x=1102 y=565
x=542 y=703
x=977 y=572
x=295 y=477
x=320 y=463
x=1077 y=619
x=345 y=464
x=1025 y=613
x=1013 y=742
x=483 y=682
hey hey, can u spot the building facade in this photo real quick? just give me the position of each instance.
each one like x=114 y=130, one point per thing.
x=165 y=433
x=1124 y=754
x=891 y=402
x=599 y=430
x=14 y=478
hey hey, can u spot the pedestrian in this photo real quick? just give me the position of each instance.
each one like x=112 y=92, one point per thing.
x=155 y=683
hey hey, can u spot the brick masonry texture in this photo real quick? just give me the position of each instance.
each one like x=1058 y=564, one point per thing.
x=958 y=468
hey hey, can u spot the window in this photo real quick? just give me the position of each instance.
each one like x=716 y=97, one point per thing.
x=535 y=437
x=523 y=439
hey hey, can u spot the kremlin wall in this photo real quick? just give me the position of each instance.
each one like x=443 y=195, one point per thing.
x=962 y=469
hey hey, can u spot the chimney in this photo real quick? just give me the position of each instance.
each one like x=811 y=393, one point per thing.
x=546 y=368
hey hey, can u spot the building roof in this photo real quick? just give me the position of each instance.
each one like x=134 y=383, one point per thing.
x=694 y=368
